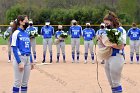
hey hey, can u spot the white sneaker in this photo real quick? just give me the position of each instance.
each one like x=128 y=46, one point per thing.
x=35 y=61
x=131 y=62
x=85 y=62
x=73 y=61
x=138 y=62
x=124 y=62
x=9 y=61
x=93 y=62
x=77 y=61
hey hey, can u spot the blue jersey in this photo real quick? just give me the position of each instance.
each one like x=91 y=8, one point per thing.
x=58 y=33
x=101 y=31
x=47 y=31
x=133 y=34
x=75 y=31
x=88 y=34
x=30 y=28
x=20 y=44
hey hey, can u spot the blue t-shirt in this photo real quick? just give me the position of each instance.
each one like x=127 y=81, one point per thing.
x=58 y=33
x=133 y=34
x=88 y=34
x=75 y=31
x=47 y=31
x=101 y=31
x=21 y=44
x=30 y=28
x=21 y=40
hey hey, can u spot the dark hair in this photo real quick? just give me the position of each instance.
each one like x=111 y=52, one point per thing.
x=17 y=22
x=113 y=18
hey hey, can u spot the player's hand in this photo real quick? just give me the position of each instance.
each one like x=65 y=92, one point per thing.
x=21 y=66
x=32 y=66
x=99 y=38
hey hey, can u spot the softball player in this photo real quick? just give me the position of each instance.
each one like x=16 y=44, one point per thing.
x=8 y=32
x=61 y=45
x=88 y=35
x=30 y=29
x=114 y=64
x=98 y=34
x=134 y=35
x=124 y=37
x=22 y=55
x=47 y=32
x=75 y=31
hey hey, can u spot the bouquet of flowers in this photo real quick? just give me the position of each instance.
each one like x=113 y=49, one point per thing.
x=33 y=33
x=113 y=36
x=6 y=35
x=61 y=37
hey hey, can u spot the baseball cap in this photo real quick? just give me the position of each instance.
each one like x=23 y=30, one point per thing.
x=102 y=24
x=88 y=24
x=30 y=22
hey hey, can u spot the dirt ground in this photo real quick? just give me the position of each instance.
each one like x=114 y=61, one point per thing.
x=68 y=77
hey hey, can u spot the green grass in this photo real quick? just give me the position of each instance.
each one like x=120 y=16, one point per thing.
x=39 y=41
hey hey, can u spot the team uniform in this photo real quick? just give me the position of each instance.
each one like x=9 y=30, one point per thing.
x=47 y=33
x=22 y=55
x=114 y=66
x=8 y=32
x=32 y=39
x=61 y=45
x=134 y=35
x=75 y=31
x=88 y=35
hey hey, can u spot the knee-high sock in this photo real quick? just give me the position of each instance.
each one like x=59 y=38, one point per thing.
x=15 y=90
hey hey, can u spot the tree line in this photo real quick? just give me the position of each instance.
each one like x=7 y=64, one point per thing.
x=63 y=11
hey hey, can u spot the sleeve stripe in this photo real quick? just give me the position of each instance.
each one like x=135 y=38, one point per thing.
x=14 y=38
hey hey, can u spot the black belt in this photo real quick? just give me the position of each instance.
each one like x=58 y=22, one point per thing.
x=25 y=54
x=88 y=40
x=75 y=37
x=61 y=40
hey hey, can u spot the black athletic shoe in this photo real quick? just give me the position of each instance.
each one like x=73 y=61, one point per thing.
x=50 y=61
x=43 y=61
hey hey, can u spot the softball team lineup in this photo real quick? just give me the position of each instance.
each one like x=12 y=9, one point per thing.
x=22 y=43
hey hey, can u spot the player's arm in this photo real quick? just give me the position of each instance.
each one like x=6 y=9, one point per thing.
x=93 y=33
x=81 y=32
x=129 y=33
x=42 y=31
x=69 y=32
x=56 y=34
x=53 y=33
x=14 y=46
x=118 y=46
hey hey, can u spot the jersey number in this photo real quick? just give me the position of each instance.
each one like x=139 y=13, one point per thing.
x=88 y=35
x=75 y=33
x=26 y=44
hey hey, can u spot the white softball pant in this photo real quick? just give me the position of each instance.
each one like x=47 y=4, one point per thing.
x=75 y=43
x=134 y=47
x=113 y=69
x=88 y=45
x=61 y=46
x=21 y=78
x=47 y=42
